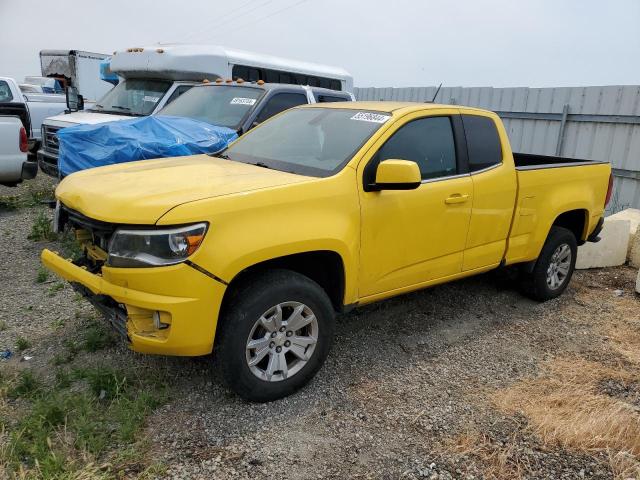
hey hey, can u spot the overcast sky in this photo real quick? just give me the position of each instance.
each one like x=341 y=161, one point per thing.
x=381 y=42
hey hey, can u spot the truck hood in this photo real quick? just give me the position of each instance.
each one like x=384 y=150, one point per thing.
x=141 y=192
x=83 y=118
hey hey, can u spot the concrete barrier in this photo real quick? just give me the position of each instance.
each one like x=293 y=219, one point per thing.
x=633 y=215
x=612 y=248
x=634 y=250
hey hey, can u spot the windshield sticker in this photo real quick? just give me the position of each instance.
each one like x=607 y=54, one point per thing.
x=149 y=98
x=243 y=101
x=371 y=117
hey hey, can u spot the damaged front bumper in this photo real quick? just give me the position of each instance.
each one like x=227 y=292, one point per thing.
x=169 y=310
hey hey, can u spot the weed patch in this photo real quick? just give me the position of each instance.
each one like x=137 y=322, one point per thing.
x=42 y=276
x=41 y=229
x=97 y=337
x=25 y=385
x=22 y=344
x=75 y=424
x=55 y=288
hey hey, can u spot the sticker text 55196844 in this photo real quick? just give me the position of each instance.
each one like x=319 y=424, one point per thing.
x=370 y=117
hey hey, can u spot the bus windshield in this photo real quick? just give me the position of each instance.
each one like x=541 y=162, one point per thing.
x=135 y=97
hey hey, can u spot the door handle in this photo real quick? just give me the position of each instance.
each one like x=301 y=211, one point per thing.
x=456 y=198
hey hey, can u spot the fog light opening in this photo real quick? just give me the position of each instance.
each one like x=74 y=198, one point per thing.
x=157 y=323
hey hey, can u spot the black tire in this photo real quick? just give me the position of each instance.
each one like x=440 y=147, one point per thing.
x=248 y=302
x=534 y=284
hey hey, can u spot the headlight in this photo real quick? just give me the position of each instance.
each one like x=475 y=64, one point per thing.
x=154 y=247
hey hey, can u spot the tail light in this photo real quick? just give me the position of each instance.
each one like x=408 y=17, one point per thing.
x=609 y=190
x=24 y=141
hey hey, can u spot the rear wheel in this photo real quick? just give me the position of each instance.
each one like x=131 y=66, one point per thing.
x=554 y=267
x=275 y=335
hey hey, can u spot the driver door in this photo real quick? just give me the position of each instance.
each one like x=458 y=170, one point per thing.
x=411 y=237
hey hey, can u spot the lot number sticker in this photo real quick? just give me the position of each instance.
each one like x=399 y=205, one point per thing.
x=370 y=117
x=149 y=98
x=243 y=101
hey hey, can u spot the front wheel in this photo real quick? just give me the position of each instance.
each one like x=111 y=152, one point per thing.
x=554 y=267
x=275 y=335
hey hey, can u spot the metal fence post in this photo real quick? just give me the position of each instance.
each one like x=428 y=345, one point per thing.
x=563 y=123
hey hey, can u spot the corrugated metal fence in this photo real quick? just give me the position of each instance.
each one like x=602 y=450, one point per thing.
x=597 y=123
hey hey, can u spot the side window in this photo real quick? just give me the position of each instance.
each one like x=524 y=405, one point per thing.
x=427 y=141
x=240 y=71
x=5 y=92
x=279 y=103
x=177 y=92
x=272 y=76
x=483 y=142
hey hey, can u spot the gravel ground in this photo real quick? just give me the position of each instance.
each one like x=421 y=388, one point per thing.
x=405 y=378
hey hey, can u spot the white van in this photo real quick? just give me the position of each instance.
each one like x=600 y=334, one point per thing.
x=156 y=75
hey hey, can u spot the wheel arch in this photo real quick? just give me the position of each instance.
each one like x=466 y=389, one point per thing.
x=576 y=221
x=325 y=267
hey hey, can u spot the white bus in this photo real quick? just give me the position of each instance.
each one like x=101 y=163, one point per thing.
x=196 y=62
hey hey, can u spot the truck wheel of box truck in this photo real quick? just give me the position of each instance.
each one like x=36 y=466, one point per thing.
x=554 y=266
x=275 y=333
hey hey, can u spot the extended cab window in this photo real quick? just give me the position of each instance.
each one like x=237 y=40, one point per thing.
x=322 y=98
x=279 y=103
x=483 y=142
x=427 y=141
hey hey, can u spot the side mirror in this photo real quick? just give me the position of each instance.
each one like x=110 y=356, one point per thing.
x=74 y=100
x=397 y=175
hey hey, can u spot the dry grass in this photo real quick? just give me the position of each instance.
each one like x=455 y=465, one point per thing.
x=566 y=407
x=499 y=460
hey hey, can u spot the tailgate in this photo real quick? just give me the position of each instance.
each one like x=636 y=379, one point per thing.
x=19 y=110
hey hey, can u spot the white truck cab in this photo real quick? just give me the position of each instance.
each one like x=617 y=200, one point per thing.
x=154 y=76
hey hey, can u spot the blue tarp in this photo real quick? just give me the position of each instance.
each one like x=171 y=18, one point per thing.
x=88 y=146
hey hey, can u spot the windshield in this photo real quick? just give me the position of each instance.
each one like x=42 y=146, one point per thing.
x=308 y=141
x=220 y=105
x=136 y=96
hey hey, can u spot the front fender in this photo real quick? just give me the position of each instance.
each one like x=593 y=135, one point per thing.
x=261 y=225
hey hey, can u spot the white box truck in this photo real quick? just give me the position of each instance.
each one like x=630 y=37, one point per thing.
x=74 y=68
x=154 y=76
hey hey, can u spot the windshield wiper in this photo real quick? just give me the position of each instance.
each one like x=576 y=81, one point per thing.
x=223 y=156
x=121 y=107
x=261 y=164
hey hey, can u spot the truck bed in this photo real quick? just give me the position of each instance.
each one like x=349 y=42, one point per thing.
x=529 y=161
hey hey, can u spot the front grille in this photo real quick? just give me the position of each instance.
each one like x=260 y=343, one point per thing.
x=100 y=232
x=50 y=138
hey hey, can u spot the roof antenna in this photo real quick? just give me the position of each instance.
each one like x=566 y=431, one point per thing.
x=436 y=94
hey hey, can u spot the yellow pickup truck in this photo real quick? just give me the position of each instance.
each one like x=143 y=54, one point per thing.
x=320 y=209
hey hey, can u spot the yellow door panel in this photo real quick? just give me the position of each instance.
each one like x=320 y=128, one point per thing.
x=494 y=192
x=413 y=236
